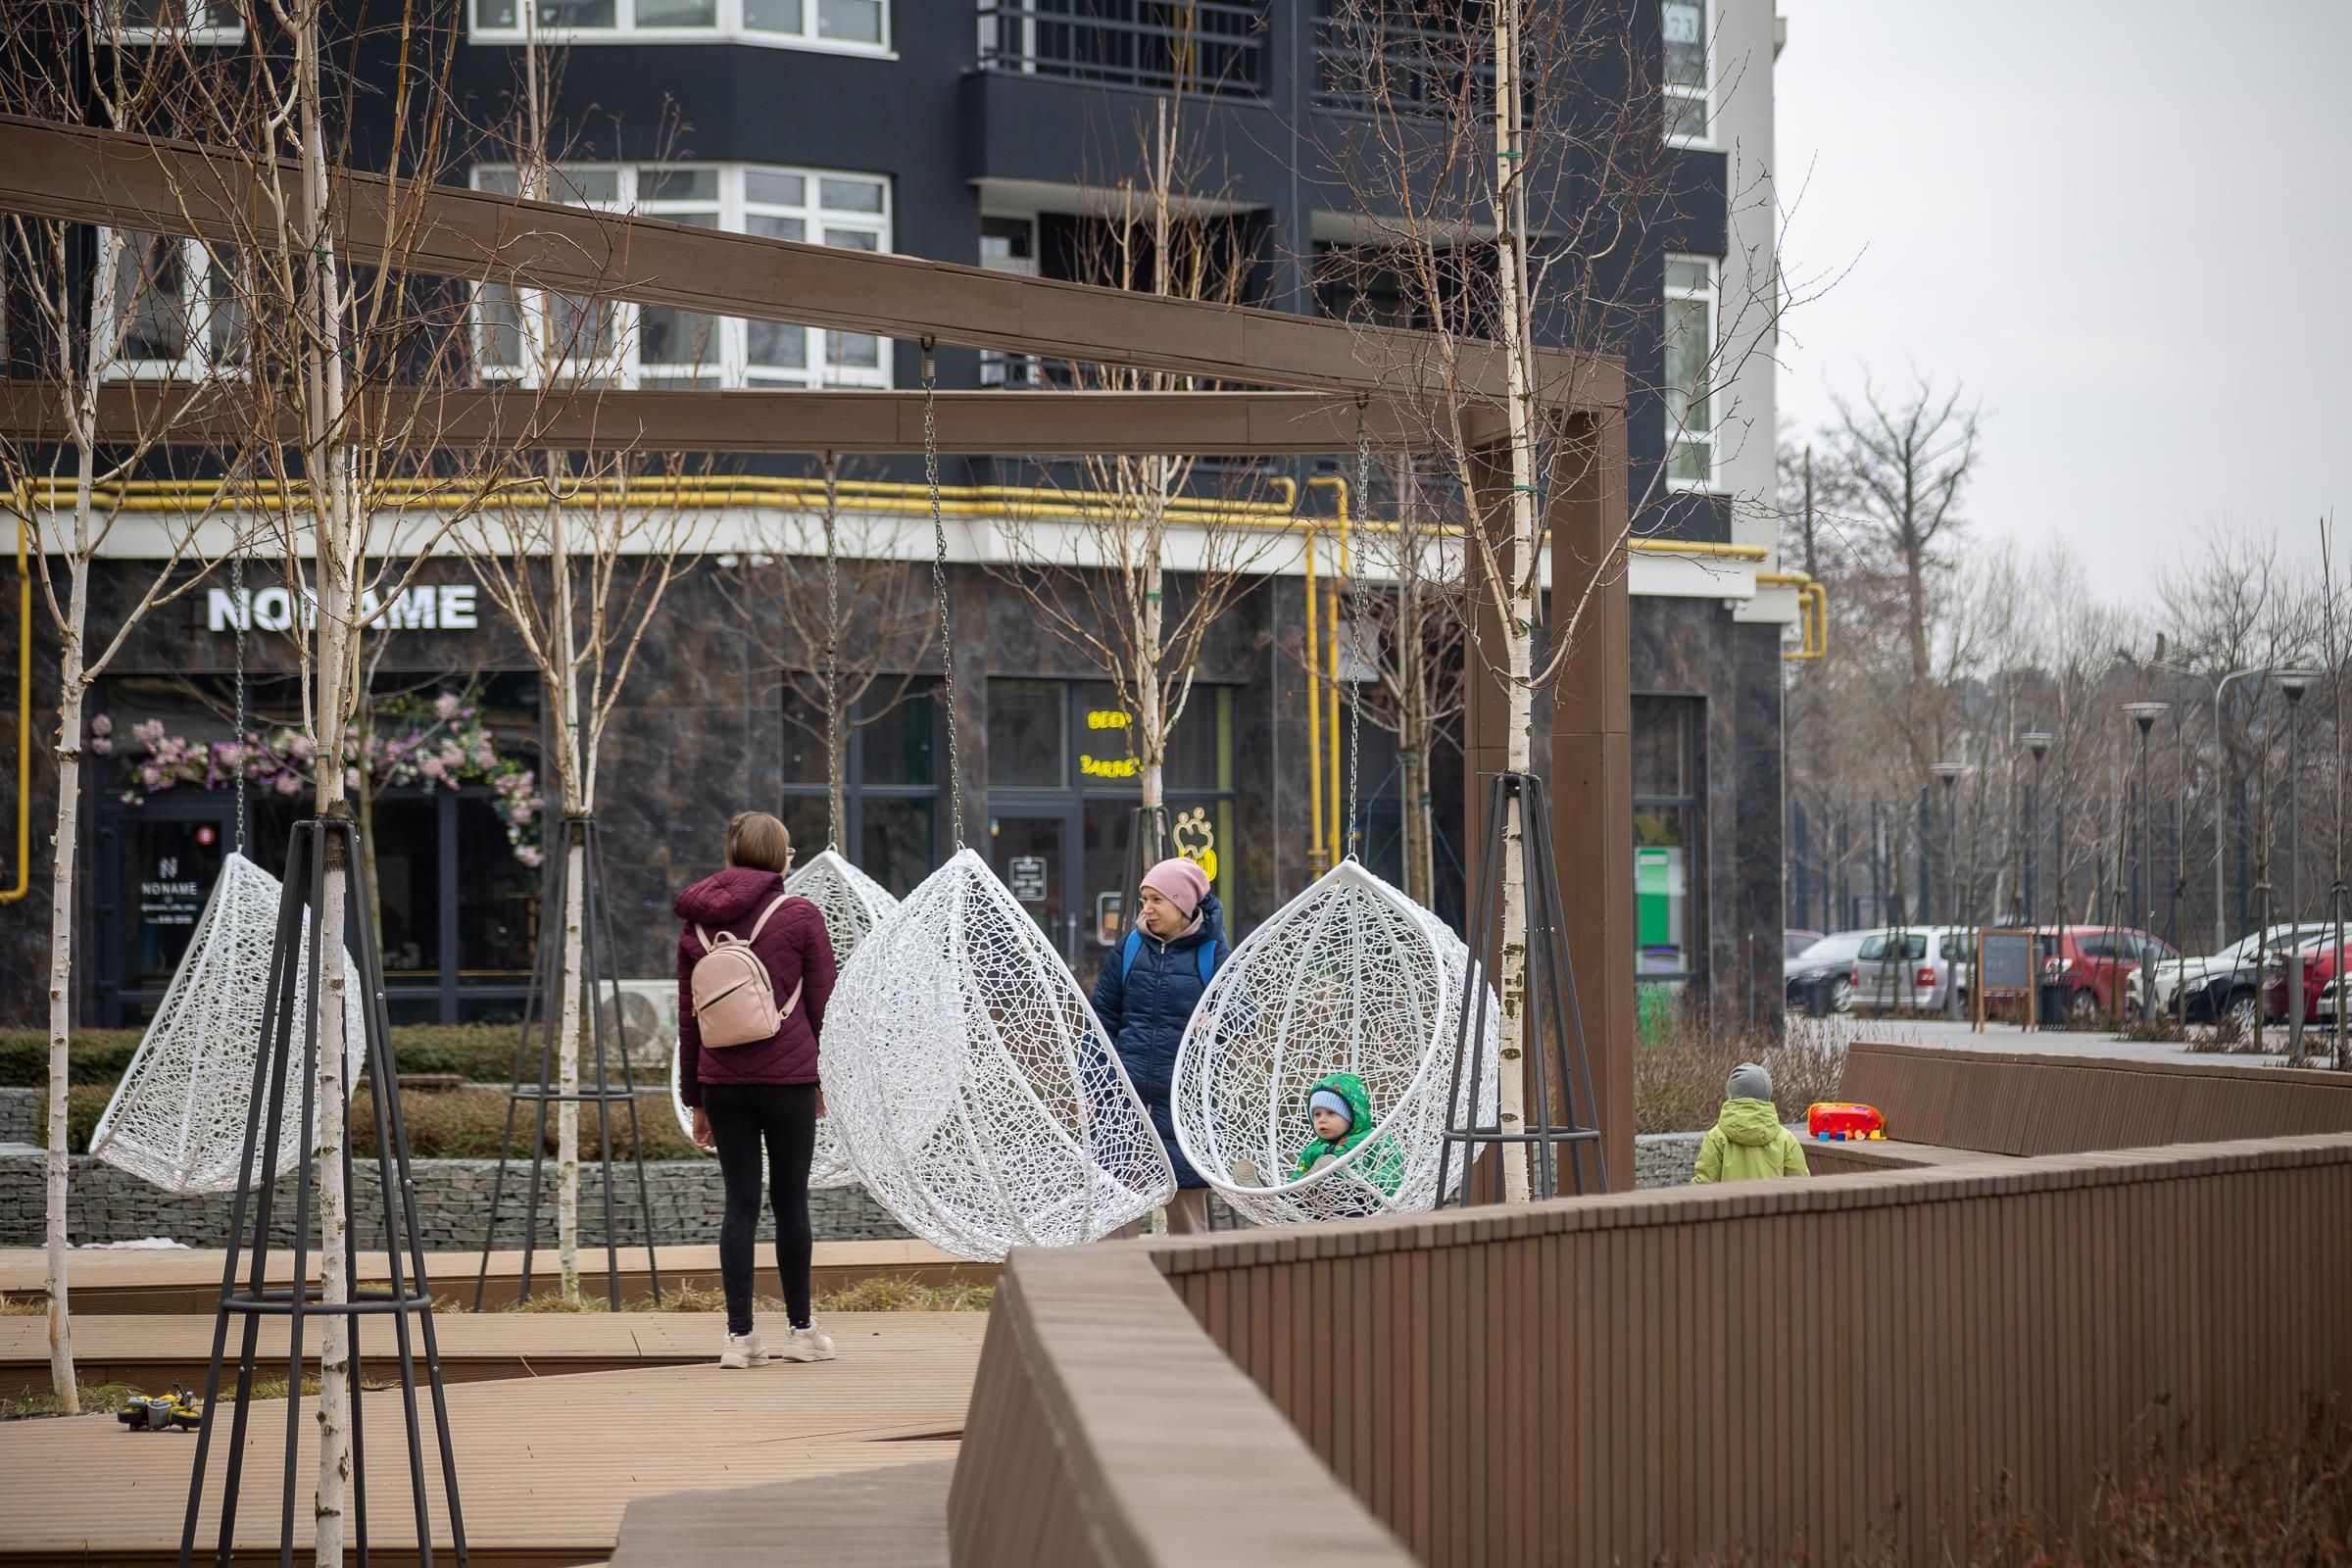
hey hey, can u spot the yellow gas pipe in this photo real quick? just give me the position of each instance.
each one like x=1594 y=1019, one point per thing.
x=24 y=724
x=1339 y=489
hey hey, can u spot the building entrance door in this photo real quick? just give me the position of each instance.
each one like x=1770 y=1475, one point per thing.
x=155 y=878
x=1032 y=854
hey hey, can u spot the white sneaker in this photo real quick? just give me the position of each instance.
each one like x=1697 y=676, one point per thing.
x=745 y=1350
x=807 y=1344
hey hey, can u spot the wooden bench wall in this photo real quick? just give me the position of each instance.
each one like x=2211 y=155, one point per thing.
x=2031 y=1104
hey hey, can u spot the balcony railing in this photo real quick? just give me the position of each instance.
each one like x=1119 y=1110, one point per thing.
x=1410 y=57
x=1208 y=46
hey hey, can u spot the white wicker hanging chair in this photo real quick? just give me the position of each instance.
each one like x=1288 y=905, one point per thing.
x=177 y=1117
x=1350 y=976
x=975 y=1090
x=853 y=905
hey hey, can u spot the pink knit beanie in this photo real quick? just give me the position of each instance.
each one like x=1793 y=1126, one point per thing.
x=1181 y=882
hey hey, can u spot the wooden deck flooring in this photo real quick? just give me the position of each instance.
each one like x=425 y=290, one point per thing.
x=546 y=1464
x=152 y=1352
x=112 y=1282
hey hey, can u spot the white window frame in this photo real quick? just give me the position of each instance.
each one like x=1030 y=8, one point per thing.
x=208 y=33
x=1703 y=96
x=731 y=365
x=1711 y=295
x=728 y=27
x=195 y=363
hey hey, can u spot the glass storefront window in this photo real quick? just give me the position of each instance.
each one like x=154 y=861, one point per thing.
x=458 y=906
x=1667 y=834
x=1028 y=746
x=890 y=781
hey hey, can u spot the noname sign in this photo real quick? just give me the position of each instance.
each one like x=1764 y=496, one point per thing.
x=446 y=606
x=1028 y=878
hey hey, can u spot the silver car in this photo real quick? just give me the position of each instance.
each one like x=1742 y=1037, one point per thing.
x=1908 y=968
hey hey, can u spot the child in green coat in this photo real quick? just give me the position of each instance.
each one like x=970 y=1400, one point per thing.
x=1747 y=1140
x=1341 y=1109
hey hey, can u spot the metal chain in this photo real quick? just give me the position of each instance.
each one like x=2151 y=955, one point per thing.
x=243 y=617
x=1356 y=631
x=832 y=651
x=938 y=584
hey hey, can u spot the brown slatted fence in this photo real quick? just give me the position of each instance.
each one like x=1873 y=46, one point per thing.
x=1783 y=1365
x=2026 y=1105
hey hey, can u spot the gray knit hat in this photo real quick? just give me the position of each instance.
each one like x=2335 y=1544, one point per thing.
x=1749 y=1082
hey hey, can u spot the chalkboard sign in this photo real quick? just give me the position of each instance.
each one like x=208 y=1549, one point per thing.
x=2005 y=962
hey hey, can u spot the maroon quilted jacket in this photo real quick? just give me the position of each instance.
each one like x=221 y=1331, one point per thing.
x=797 y=951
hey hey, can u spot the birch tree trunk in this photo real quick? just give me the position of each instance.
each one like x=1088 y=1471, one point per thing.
x=1519 y=613
x=575 y=898
x=339 y=543
x=65 y=843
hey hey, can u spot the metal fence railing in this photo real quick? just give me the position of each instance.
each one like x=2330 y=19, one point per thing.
x=1212 y=46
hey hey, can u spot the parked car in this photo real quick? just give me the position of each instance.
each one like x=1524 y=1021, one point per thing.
x=2223 y=984
x=2088 y=965
x=1907 y=968
x=1794 y=943
x=1819 y=980
x=2321 y=962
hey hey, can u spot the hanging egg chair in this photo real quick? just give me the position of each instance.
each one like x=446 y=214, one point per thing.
x=177 y=1117
x=972 y=1087
x=853 y=905
x=1349 y=977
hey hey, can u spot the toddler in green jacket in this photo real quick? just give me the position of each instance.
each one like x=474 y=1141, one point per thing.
x=1747 y=1140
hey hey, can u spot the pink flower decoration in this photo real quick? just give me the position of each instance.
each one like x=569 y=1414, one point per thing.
x=431 y=767
x=351 y=779
x=445 y=705
x=530 y=856
x=102 y=725
x=101 y=746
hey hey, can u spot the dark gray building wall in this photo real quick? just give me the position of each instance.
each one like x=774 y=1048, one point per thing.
x=1691 y=648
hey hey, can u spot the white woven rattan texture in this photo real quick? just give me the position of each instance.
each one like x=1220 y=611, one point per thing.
x=1350 y=976
x=975 y=1092
x=853 y=905
x=177 y=1117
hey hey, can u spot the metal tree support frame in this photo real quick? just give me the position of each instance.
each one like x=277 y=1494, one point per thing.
x=294 y=976
x=547 y=991
x=1556 y=1024
x=1148 y=842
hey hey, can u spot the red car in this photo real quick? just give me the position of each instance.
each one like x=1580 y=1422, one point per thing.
x=2321 y=959
x=2089 y=962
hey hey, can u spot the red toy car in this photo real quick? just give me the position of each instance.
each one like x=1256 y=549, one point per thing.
x=1844 y=1122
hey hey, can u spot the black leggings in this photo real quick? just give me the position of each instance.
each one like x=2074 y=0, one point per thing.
x=743 y=1117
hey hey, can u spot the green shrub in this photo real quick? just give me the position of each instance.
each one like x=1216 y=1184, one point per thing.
x=92 y=1056
x=478 y=1052
x=85 y=1105
x=468 y=1124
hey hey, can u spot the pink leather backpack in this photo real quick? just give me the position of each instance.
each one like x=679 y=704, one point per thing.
x=734 y=1000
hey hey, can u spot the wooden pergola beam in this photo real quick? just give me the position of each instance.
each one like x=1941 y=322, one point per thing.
x=86 y=175
x=1059 y=425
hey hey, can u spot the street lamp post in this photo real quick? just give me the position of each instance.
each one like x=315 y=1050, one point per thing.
x=2145 y=715
x=1950 y=773
x=2221 y=688
x=2294 y=683
x=2038 y=743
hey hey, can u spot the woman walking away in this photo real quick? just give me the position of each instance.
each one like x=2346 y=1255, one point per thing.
x=755 y=972
x=1145 y=996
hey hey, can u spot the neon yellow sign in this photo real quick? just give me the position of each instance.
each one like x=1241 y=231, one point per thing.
x=1109 y=719
x=1108 y=767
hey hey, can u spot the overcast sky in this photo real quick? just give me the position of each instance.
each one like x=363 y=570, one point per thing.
x=2125 y=229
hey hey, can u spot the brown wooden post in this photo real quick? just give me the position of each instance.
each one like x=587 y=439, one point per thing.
x=1592 y=761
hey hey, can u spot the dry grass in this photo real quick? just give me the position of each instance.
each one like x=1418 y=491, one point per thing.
x=1679 y=1078
x=880 y=1293
x=105 y=1398
x=23 y=1306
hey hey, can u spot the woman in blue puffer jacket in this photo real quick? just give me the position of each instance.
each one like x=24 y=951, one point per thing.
x=1150 y=986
